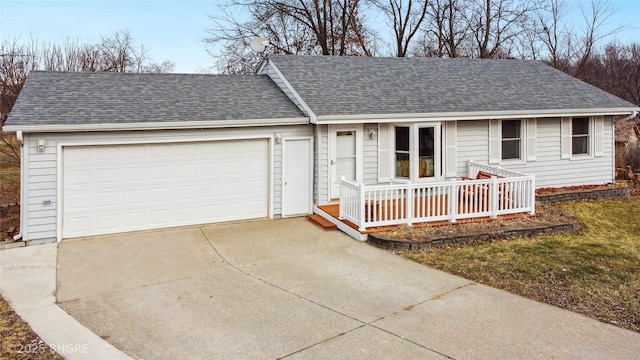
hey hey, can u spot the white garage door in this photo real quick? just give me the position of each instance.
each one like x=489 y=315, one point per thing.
x=111 y=189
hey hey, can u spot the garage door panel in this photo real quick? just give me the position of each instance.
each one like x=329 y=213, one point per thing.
x=110 y=189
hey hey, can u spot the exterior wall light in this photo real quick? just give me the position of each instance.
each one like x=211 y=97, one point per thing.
x=278 y=139
x=373 y=134
x=41 y=145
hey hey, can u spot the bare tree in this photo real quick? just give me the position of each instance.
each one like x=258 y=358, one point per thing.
x=327 y=27
x=497 y=25
x=286 y=36
x=17 y=59
x=570 y=48
x=406 y=18
x=119 y=53
x=479 y=28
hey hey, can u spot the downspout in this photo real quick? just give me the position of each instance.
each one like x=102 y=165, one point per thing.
x=20 y=139
x=631 y=116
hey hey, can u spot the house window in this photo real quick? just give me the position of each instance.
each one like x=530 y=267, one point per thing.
x=417 y=153
x=580 y=136
x=511 y=139
x=426 y=140
x=402 y=153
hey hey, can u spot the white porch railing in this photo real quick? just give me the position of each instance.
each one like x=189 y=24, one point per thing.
x=508 y=192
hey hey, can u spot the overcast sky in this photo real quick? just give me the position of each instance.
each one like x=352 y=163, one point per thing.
x=173 y=30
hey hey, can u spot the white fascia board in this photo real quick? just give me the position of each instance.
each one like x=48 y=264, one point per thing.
x=261 y=66
x=170 y=125
x=480 y=115
x=312 y=116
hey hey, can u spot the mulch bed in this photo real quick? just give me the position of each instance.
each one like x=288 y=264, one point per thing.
x=548 y=219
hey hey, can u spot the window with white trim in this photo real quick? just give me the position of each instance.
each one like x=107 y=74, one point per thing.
x=511 y=140
x=417 y=154
x=580 y=136
x=402 y=153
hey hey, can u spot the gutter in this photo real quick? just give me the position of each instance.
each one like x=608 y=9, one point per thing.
x=169 y=125
x=628 y=117
x=475 y=115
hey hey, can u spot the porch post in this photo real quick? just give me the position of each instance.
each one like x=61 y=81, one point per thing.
x=361 y=215
x=532 y=194
x=453 y=200
x=493 y=197
x=410 y=204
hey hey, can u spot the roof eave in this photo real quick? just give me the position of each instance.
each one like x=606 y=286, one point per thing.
x=477 y=115
x=169 y=125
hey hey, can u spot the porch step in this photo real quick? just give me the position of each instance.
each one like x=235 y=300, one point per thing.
x=322 y=222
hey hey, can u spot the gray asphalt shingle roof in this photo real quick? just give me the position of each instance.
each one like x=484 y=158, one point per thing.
x=50 y=98
x=361 y=85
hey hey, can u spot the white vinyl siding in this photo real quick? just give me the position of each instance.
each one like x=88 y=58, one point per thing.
x=323 y=164
x=550 y=170
x=370 y=155
x=384 y=145
x=473 y=138
x=41 y=169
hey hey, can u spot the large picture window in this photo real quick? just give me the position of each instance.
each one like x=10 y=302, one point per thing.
x=511 y=139
x=580 y=136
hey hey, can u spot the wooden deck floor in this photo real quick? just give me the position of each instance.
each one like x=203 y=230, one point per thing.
x=334 y=210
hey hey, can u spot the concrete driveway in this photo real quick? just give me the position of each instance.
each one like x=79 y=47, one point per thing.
x=286 y=288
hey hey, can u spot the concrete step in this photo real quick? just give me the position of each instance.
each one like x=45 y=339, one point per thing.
x=322 y=222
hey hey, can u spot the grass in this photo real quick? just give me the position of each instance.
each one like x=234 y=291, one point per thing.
x=594 y=272
x=18 y=341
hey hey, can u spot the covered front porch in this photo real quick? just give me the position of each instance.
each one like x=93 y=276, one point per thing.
x=487 y=192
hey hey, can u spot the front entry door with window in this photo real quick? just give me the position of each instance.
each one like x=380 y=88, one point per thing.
x=344 y=155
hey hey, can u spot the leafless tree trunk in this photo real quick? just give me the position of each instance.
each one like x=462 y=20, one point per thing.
x=571 y=49
x=496 y=25
x=327 y=27
x=17 y=59
x=406 y=17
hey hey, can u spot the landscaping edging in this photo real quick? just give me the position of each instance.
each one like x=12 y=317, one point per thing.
x=505 y=232
x=586 y=194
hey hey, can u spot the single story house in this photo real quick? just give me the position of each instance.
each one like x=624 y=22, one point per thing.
x=388 y=139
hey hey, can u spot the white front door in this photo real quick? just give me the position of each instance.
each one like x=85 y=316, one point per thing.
x=297 y=175
x=344 y=156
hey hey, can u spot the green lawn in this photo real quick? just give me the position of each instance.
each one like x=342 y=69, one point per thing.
x=595 y=272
